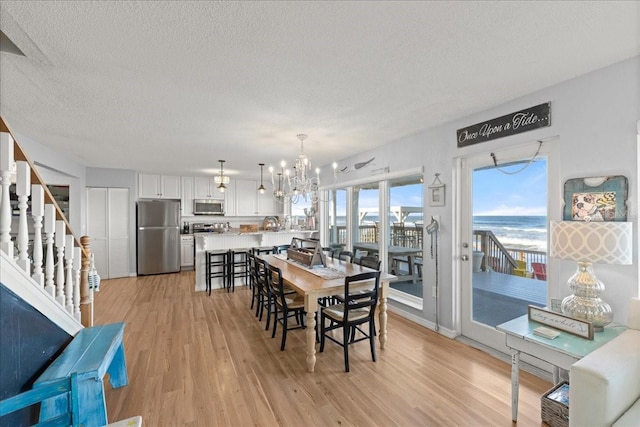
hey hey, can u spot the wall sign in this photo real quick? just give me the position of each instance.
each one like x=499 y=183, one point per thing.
x=511 y=124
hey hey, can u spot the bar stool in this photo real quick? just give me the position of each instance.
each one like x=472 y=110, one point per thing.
x=263 y=250
x=216 y=266
x=238 y=266
x=278 y=249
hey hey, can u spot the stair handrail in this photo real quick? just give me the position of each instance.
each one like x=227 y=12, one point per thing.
x=86 y=299
x=488 y=236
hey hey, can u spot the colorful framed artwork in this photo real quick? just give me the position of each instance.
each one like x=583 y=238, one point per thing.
x=598 y=198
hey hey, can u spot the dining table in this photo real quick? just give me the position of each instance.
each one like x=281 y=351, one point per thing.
x=395 y=252
x=325 y=281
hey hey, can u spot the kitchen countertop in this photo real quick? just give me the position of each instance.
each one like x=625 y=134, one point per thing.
x=207 y=241
x=236 y=232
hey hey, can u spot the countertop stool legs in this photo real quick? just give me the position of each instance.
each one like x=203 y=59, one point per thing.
x=238 y=266
x=217 y=267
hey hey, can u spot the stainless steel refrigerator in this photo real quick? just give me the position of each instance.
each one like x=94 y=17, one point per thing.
x=158 y=236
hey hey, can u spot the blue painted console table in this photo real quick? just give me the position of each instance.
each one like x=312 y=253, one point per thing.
x=92 y=353
x=561 y=352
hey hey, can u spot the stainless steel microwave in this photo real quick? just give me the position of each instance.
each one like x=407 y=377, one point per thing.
x=208 y=206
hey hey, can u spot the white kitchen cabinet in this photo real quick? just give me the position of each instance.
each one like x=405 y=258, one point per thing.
x=206 y=188
x=186 y=201
x=230 y=199
x=246 y=201
x=187 y=251
x=249 y=201
x=151 y=186
x=267 y=204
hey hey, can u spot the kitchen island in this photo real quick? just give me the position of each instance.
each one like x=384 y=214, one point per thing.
x=234 y=239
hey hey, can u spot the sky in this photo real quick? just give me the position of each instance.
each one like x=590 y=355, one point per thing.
x=521 y=194
x=494 y=193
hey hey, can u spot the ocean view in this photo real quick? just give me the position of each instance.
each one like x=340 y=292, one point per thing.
x=519 y=232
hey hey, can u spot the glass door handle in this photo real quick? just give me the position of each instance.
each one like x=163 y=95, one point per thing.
x=465 y=257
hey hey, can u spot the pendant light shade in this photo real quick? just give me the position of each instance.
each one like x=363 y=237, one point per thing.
x=222 y=187
x=261 y=189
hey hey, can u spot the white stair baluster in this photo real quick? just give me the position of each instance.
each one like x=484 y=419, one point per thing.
x=68 y=282
x=60 y=240
x=23 y=190
x=6 y=167
x=49 y=230
x=37 y=212
x=77 y=263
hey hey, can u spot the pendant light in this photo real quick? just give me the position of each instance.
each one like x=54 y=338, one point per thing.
x=222 y=187
x=261 y=189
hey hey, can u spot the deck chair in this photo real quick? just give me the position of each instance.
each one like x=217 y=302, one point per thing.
x=539 y=270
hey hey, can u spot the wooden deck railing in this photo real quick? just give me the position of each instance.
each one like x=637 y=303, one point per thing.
x=58 y=264
x=496 y=256
x=407 y=236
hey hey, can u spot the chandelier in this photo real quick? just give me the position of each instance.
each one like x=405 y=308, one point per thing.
x=301 y=182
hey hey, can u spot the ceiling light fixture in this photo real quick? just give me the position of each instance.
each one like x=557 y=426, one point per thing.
x=302 y=182
x=261 y=189
x=221 y=179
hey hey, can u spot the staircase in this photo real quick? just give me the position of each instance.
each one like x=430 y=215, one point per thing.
x=45 y=298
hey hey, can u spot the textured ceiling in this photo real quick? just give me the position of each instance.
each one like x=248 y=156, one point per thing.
x=172 y=87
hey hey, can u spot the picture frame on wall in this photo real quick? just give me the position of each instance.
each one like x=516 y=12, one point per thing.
x=436 y=192
x=597 y=198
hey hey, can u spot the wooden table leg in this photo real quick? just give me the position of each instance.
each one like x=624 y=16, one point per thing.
x=382 y=333
x=412 y=269
x=311 y=307
x=515 y=379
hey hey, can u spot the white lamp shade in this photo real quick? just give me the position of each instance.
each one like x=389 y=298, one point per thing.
x=606 y=242
x=224 y=179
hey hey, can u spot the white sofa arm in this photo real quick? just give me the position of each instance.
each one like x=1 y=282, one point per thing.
x=606 y=382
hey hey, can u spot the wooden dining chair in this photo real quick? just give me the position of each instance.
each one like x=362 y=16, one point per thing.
x=345 y=256
x=286 y=305
x=281 y=249
x=370 y=261
x=253 y=268
x=265 y=298
x=357 y=310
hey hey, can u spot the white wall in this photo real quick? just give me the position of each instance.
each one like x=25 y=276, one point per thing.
x=593 y=131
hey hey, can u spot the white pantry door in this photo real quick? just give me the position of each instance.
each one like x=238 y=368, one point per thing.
x=108 y=227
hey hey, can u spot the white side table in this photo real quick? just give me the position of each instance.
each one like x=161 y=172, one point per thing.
x=561 y=352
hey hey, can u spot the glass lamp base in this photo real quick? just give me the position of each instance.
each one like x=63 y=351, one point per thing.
x=585 y=303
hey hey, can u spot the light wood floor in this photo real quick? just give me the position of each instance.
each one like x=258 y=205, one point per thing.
x=198 y=360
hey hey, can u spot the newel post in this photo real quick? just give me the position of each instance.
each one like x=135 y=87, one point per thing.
x=86 y=295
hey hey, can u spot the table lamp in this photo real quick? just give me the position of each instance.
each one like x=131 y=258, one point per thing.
x=586 y=243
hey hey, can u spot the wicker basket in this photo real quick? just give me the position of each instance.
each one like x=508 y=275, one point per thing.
x=554 y=405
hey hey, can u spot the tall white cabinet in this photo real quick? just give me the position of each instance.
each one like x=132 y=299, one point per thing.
x=108 y=227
